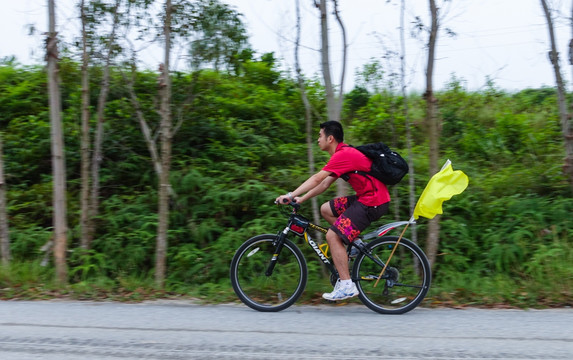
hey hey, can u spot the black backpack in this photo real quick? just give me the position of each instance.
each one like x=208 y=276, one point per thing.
x=387 y=165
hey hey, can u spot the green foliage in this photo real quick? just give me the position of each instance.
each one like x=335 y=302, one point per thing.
x=28 y=272
x=241 y=141
x=222 y=34
x=90 y=264
x=27 y=243
x=126 y=234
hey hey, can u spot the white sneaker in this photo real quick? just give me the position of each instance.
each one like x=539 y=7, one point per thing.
x=341 y=292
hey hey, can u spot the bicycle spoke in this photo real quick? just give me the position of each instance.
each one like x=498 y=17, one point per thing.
x=404 y=283
x=412 y=286
x=260 y=288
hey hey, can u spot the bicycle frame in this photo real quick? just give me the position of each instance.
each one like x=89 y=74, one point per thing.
x=299 y=225
x=322 y=254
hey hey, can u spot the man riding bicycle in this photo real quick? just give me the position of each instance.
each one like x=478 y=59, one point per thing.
x=349 y=215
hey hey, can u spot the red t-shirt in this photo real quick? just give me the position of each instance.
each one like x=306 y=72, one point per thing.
x=370 y=191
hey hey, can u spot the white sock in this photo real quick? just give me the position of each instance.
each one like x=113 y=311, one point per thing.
x=346 y=283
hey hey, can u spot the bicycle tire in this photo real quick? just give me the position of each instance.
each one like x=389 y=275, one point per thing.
x=268 y=293
x=405 y=282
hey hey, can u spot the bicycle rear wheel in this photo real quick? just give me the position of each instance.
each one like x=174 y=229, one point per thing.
x=406 y=279
x=262 y=292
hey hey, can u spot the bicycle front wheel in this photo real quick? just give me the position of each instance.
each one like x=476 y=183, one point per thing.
x=405 y=281
x=261 y=289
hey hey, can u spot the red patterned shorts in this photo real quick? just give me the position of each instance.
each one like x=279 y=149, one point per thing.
x=353 y=216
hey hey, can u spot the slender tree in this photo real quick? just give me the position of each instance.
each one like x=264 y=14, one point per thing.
x=333 y=102
x=307 y=115
x=182 y=20
x=166 y=138
x=411 y=172
x=97 y=155
x=143 y=124
x=433 y=128
x=566 y=126
x=85 y=133
x=58 y=155
x=4 y=232
x=571 y=41
x=199 y=21
x=325 y=61
x=344 y=56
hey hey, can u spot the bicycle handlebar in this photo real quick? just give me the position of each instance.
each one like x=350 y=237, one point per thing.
x=295 y=205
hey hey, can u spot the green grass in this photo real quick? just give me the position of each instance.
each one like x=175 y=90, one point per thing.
x=551 y=287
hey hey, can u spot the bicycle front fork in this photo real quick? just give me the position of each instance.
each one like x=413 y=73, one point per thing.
x=279 y=245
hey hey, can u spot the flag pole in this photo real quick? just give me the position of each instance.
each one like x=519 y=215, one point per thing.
x=393 y=250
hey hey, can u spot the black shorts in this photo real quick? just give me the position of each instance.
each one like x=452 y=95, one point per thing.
x=353 y=216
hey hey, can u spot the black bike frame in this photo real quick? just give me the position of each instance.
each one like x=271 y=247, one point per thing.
x=301 y=231
x=298 y=225
x=321 y=254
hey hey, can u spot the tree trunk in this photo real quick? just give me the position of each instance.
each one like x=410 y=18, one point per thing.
x=411 y=173
x=4 y=232
x=145 y=130
x=307 y=116
x=98 y=142
x=433 y=131
x=58 y=156
x=150 y=140
x=566 y=127
x=85 y=138
x=164 y=185
x=331 y=104
x=309 y=130
x=344 y=53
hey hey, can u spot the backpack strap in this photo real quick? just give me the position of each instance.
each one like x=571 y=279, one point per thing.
x=346 y=177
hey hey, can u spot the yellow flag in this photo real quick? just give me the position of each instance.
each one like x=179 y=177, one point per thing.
x=441 y=187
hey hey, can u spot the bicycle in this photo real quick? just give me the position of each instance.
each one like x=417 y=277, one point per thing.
x=269 y=272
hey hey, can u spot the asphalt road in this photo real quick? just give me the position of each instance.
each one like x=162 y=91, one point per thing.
x=66 y=330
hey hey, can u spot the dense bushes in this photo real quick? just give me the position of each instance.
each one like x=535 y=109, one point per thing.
x=241 y=142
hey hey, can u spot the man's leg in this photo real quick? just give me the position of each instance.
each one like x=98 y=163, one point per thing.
x=326 y=212
x=335 y=244
x=339 y=256
x=345 y=288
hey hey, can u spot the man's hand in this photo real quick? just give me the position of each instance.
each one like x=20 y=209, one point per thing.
x=284 y=199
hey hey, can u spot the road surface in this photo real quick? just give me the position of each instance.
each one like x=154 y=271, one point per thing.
x=66 y=330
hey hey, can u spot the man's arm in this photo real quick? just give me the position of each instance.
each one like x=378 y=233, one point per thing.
x=317 y=190
x=314 y=185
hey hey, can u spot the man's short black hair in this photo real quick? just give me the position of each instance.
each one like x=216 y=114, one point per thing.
x=333 y=128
